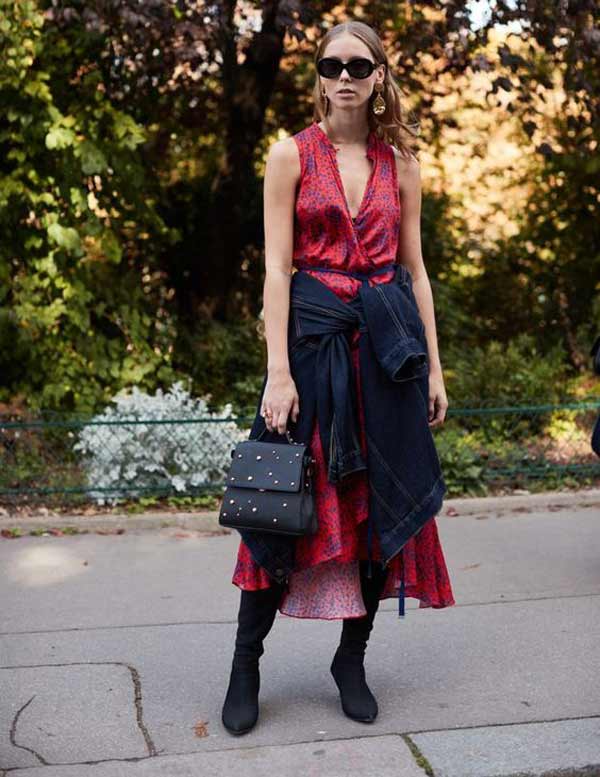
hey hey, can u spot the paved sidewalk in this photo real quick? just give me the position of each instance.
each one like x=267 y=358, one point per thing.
x=115 y=653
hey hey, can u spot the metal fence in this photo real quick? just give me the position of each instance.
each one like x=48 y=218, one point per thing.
x=59 y=460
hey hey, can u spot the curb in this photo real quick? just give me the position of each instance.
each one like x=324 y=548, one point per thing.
x=208 y=522
x=548 y=500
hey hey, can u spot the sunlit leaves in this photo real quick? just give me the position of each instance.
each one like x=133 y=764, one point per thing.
x=73 y=202
x=65 y=237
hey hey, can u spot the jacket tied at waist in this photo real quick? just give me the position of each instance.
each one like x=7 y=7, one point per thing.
x=406 y=486
x=391 y=334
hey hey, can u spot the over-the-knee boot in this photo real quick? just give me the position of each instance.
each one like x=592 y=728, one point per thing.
x=255 y=617
x=347 y=667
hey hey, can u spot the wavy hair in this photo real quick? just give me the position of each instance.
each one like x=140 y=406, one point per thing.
x=392 y=125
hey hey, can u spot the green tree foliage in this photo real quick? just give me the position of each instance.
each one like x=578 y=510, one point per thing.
x=549 y=72
x=131 y=155
x=83 y=310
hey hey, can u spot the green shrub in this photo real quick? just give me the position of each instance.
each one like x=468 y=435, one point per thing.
x=511 y=373
x=461 y=463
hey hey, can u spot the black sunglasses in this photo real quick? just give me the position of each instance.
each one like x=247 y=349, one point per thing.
x=359 y=67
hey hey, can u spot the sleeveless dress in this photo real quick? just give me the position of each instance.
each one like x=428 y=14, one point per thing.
x=344 y=252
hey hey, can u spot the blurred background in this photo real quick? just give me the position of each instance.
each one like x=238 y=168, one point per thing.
x=133 y=138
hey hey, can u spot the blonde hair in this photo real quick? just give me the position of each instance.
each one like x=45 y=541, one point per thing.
x=391 y=126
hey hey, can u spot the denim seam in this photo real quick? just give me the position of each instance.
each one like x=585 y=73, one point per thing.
x=390 y=472
x=418 y=507
x=305 y=344
x=380 y=499
x=347 y=472
x=391 y=312
x=403 y=348
x=407 y=518
x=350 y=454
x=311 y=306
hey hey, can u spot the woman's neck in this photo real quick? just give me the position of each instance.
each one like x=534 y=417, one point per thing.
x=344 y=132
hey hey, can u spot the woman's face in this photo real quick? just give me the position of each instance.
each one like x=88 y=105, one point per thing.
x=346 y=92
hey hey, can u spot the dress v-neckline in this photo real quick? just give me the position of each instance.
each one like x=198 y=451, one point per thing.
x=370 y=155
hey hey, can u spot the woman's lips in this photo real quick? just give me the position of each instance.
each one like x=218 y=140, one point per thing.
x=346 y=91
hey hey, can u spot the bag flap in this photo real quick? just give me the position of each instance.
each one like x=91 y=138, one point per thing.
x=272 y=466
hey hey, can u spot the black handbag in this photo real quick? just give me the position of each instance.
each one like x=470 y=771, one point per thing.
x=269 y=488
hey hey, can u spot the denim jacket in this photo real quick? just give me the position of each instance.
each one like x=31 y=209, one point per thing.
x=406 y=486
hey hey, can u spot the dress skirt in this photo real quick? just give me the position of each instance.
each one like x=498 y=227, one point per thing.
x=325 y=582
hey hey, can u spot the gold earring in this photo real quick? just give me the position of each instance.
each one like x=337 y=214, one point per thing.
x=379 y=103
x=326 y=100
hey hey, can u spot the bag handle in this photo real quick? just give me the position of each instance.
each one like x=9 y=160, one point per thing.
x=287 y=434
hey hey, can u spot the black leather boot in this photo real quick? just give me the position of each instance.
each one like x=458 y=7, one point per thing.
x=255 y=617
x=347 y=666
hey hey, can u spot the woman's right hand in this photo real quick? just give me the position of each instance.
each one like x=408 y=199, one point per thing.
x=279 y=398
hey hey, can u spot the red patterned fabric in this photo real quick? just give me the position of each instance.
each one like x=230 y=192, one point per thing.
x=325 y=582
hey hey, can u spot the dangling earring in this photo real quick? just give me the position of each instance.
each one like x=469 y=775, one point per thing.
x=325 y=100
x=379 y=103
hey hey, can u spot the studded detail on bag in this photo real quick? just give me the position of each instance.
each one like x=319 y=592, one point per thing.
x=269 y=487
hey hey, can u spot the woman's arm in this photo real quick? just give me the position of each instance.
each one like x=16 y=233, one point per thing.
x=281 y=176
x=410 y=255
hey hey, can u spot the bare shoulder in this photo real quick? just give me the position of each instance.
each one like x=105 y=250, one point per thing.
x=284 y=154
x=408 y=169
x=282 y=173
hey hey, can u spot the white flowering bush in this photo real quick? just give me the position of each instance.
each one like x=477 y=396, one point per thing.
x=125 y=458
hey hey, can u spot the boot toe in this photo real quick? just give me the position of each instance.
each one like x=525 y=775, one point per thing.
x=358 y=702
x=363 y=709
x=240 y=709
x=239 y=722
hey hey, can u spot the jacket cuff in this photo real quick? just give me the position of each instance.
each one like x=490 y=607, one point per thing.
x=407 y=360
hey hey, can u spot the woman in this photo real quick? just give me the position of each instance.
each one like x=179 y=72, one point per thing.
x=345 y=211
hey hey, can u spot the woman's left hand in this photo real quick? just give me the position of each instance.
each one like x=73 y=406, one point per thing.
x=438 y=401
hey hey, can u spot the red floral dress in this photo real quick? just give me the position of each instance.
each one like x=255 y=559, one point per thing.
x=329 y=242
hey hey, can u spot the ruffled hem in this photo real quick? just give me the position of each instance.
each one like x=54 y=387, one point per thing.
x=329 y=589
